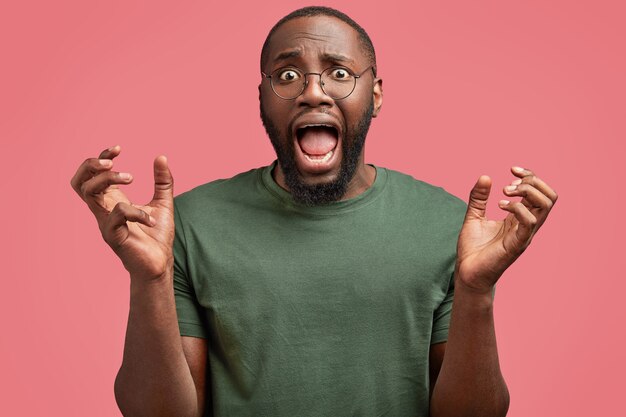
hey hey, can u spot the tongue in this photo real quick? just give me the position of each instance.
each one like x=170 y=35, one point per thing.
x=317 y=140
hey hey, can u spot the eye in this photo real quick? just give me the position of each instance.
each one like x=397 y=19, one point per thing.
x=340 y=74
x=288 y=75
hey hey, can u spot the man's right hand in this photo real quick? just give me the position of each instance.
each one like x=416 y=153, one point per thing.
x=141 y=236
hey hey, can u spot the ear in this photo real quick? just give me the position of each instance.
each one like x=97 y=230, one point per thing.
x=377 y=93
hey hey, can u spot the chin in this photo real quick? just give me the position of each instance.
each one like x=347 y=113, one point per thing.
x=326 y=181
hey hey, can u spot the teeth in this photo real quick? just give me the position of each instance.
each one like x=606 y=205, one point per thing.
x=318 y=125
x=317 y=159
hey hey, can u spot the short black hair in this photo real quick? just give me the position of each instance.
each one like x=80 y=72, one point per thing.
x=366 y=42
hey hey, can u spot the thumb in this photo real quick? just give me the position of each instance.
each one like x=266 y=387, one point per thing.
x=163 y=181
x=479 y=195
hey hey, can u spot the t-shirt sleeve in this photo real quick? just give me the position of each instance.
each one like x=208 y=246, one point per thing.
x=188 y=309
x=441 y=318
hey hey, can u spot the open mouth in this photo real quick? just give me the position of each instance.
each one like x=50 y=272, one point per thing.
x=317 y=142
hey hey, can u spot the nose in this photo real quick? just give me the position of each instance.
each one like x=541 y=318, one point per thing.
x=313 y=95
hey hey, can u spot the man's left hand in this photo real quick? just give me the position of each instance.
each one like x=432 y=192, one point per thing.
x=486 y=247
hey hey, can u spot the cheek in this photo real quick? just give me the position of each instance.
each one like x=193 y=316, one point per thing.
x=353 y=112
x=364 y=96
x=265 y=99
x=274 y=112
x=355 y=106
x=270 y=105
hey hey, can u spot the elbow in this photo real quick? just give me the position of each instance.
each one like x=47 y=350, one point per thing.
x=500 y=401
x=497 y=405
x=121 y=396
x=505 y=401
x=133 y=402
x=492 y=404
x=128 y=401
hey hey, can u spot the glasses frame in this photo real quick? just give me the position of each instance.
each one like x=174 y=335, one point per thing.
x=305 y=84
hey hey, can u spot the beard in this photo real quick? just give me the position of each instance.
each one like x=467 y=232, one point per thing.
x=327 y=192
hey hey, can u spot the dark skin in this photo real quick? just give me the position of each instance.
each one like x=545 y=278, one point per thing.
x=314 y=44
x=164 y=374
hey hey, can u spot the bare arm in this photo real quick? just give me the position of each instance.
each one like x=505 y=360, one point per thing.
x=162 y=374
x=470 y=382
x=435 y=359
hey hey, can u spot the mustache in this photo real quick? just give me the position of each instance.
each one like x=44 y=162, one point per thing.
x=306 y=112
x=288 y=133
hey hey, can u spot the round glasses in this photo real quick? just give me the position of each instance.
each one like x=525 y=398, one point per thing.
x=336 y=82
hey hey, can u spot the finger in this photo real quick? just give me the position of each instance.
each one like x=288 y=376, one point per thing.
x=479 y=195
x=123 y=212
x=100 y=183
x=111 y=152
x=163 y=180
x=527 y=221
x=87 y=170
x=537 y=201
x=510 y=187
x=93 y=166
x=521 y=172
x=529 y=177
x=115 y=230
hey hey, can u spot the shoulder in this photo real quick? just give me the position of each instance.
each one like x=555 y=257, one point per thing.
x=422 y=194
x=219 y=191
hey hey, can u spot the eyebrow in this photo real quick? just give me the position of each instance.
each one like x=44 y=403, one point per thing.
x=327 y=57
x=283 y=56
x=337 y=58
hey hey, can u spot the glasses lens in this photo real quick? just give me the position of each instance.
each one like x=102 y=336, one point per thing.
x=288 y=82
x=338 y=82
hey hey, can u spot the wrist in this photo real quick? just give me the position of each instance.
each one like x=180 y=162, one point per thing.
x=479 y=295
x=162 y=276
x=473 y=282
x=470 y=304
x=151 y=270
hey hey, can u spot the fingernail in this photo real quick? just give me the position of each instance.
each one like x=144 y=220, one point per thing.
x=504 y=202
x=105 y=162
x=518 y=169
x=112 y=148
x=510 y=188
x=125 y=175
x=152 y=220
x=517 y=182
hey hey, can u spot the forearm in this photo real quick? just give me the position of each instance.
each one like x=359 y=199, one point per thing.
x=470 y=382
x=154 y=379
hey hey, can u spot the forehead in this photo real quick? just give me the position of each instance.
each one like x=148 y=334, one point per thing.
x=315 y=38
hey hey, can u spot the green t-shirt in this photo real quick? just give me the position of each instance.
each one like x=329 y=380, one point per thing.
x=316 y=311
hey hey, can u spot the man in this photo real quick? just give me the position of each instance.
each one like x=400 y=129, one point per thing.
x=318 y=285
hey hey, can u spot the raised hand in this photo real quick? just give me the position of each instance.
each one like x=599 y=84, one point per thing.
x=486 y=247
x=140 y=235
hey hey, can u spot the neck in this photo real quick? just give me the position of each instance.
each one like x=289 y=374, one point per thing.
x=363 y=178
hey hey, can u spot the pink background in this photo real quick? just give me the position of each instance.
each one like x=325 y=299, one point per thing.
x=470 y=88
